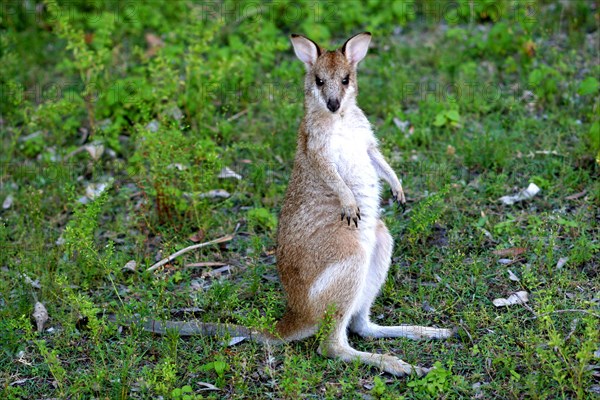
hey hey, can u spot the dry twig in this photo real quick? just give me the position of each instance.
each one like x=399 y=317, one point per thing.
x=187 y=249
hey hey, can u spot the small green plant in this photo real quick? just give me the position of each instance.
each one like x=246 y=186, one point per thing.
x=184 y=393
x=261 y=219
x=80 y=240
x=588 y=86
x=51 y=357
x=437 y=382
x=448 y=118
x=379 y=387
x=219 y=367
x=326 y=326
x=88 y=61
x=545 y=82
x=424 y=215
x=380 y=390
x=583 y=251
x=164 y=376
x=84 y=310
x=298 y=375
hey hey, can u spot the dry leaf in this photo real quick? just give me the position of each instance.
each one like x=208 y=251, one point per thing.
x=486 y=233
x=235 y=340
x=35 y=284
x=512 y=276
x=543 y=152
x=40 y=315
x=270 y=277
x=576 y=195
x=208 y=386
x=197 y=284
x=154 y=43
x=175 y=113
x=92 y=191
x=513 y=251
x=20 y=382
x=153 y=126
x=205 y=264
x=217 y=272
x=95 y=150
x=521 y=297
x=153 y=40
x=177 y=166
x=402 y=125
x=130 y=266
x=529 y=47
x=8 y=201
x=561 y=262
x=187 y=311
x=216 y=194
x=88 y=37
x=427 y=307
x=227 y=172
x=526 y=194
x=198 y=236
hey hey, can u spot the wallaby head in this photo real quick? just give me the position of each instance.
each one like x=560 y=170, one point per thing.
x=330 y=82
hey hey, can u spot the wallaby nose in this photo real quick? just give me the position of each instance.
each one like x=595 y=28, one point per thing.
x=333 y=105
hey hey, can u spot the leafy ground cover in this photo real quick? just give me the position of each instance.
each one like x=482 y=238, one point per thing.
x=118 y=121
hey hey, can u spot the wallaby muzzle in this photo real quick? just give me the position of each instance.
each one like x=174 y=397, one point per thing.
x=333 y=105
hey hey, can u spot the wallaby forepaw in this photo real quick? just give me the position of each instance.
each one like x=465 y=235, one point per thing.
x=398 y=195
x=350 y=213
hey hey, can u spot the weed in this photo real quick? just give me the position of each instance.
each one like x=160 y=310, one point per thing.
x=424 y=215
x=439 y=380
x=184 y=393
x=219 y=367
x=51 y=357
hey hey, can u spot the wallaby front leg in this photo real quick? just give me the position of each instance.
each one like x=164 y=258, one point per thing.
x=349 y=209
x=387 y=173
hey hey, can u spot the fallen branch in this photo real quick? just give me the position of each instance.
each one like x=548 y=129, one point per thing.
x=187 y=249
x=205 y=264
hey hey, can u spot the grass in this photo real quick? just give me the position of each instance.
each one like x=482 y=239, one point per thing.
x=471 y=101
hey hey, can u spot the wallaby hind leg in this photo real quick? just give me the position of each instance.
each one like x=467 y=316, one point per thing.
x=380 y=264
x=343 y=287
x=337 y=346
x=293 y=326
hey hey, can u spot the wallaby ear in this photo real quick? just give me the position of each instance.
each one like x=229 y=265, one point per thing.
x=355 y=48
x=306 y=50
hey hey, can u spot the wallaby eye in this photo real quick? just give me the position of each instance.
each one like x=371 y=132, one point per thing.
x=346 y=80
x=319 y=81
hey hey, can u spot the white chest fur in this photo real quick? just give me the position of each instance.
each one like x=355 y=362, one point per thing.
x=350 y=139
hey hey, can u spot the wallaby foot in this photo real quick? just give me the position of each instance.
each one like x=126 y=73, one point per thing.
x=387 y=363
x=415 y=332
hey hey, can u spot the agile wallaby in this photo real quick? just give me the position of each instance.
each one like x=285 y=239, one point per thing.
x=325 y=262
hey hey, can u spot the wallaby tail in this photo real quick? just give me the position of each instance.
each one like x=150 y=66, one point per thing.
x=197 y=328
